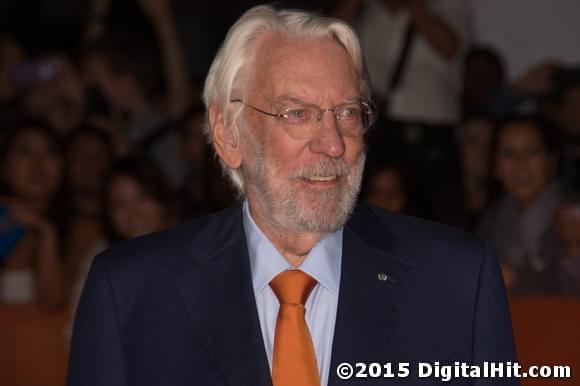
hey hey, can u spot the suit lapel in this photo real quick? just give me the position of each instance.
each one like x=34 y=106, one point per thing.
x=373 y=286
x=220 y=300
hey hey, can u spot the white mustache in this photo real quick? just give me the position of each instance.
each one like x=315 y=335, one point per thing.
x=328 y=167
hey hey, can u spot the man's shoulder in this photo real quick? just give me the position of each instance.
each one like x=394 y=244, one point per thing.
x=407 y=227
x=421 y=239
x=172 y=246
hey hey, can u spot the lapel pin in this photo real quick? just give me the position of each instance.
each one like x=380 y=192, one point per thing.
x=383 y=276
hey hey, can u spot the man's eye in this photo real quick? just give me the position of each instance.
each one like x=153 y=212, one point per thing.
x=350 y=112
x=297 y=115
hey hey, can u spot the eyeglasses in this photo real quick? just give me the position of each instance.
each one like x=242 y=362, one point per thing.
x=302 y=121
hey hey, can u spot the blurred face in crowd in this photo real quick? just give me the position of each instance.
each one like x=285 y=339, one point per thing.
x=475 y=146
x=524 y=165
x=32 y=166
x=132 y=210
x=386 y=190
x=88 y=163
x=305 y=184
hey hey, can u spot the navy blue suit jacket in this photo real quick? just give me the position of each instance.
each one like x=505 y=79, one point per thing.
x=177 y=308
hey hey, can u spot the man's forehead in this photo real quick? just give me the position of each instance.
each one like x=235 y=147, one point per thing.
x=291 y=99
x=275 y=46
x=284 y=64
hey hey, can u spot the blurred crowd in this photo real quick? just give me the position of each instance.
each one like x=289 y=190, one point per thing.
x=103 y=142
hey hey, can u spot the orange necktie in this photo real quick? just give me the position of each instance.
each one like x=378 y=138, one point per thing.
x=294 y=362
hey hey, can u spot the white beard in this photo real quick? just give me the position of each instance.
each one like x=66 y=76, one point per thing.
x=305 y=210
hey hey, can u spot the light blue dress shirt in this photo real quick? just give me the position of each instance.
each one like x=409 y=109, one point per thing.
x=323 y=263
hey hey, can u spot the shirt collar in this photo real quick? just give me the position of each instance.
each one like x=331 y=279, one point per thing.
x=323 y=262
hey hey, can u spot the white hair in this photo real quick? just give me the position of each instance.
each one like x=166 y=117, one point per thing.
x=237 y=53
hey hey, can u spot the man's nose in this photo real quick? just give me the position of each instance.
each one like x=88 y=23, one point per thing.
x=328 y=139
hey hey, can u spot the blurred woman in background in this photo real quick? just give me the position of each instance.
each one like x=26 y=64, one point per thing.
x=520 y=224
x=31 y=174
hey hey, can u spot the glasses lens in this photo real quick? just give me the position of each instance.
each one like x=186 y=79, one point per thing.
x=350 y=118
x=302 y=122
x=354 y=119
x=299 y=116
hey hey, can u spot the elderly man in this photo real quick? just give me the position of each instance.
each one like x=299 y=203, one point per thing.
x=282 y=288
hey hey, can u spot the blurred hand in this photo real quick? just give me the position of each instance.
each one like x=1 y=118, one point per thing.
x=537 y=81
x=23 y=214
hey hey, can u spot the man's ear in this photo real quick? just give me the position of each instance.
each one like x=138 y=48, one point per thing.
x=226 y=142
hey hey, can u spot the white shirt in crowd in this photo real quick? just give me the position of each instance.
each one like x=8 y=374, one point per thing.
x=430 y=87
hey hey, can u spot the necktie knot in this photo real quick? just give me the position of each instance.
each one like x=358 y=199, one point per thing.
x=292 y=286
